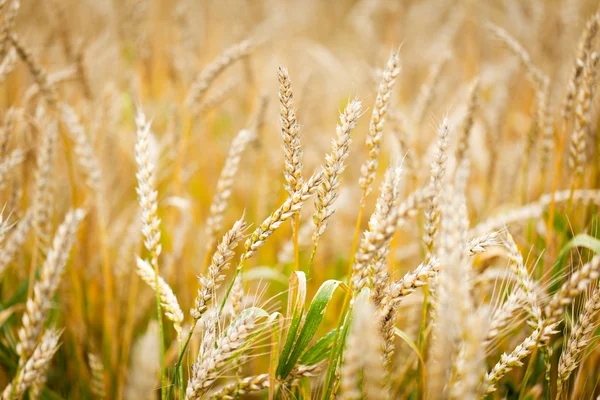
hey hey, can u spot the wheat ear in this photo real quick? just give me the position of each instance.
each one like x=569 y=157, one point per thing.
x=335 y=164
x=290 y=132
x=586 y=42
x=214 y=222
x=581 y=336
x=217 y=353
x=382 y=226
x=369 y=167
x=38 y=73
x=438 y=170
x=15 y=158
x=97 y=369
x=35 y=366
x=291 y=206
x=216 y=271
x=37 y=307
x=210 y=72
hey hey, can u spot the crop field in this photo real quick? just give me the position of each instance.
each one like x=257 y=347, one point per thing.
x=279 y=199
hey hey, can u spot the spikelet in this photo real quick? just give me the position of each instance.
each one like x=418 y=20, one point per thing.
x=369 y=167
x=35 y=367
x=335 y=164
x=220 y=201
x=479 y=244
x=44 y=289
x=210 y=72
x=168 y=301
x=290 y=132
x=217 y=353
x=216 y=271
x=581 y=337
x=291 y=206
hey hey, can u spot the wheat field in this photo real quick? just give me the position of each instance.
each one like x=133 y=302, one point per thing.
x=278 y=199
